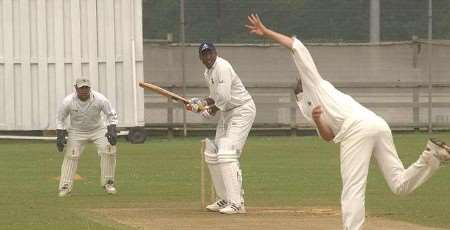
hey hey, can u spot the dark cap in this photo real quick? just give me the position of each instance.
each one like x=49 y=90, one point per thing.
x=205 y=46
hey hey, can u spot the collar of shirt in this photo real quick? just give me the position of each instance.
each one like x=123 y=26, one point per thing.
x=83 y=106
x=91 y=98
x=213 y=66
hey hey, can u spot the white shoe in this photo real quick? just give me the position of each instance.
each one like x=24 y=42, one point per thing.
x=233 y=209
x=216 y=206
x=64 y=191
x=439 y=149
x=109 y=187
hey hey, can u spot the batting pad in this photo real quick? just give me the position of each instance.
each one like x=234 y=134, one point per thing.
x=217 y=179
x=233 y=182
x=226 y=153
x=69 y=168
x=210 y=146
x=214 y=168
x=108 y=164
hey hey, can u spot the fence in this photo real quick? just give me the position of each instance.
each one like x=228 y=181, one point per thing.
x=389 y=78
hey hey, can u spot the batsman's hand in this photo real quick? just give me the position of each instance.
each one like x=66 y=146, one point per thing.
x=111 y=134
x=60 y=140
x=207 y=114
x=196 y=105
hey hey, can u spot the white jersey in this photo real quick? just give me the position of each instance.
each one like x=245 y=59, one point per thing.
x=225 y=87
x=337 y=106
x=86 y=115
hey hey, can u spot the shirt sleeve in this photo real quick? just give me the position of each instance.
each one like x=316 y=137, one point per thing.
x=305 y=64
x=222 y=85
x=299 y=104
x=62 y=113
x=110 y=113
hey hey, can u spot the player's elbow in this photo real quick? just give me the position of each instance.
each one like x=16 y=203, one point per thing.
x=223 y=100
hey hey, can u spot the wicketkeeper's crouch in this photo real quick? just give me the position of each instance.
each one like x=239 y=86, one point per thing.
x=361 y=133
x=237 y=113
x=86 y=125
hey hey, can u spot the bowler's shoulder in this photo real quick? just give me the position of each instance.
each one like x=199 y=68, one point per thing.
x=296 y=44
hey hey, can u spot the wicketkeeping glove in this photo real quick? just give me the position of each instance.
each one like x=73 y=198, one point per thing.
x=60 y=140
x=111 y=134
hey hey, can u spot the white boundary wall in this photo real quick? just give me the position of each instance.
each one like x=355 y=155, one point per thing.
x=46 y=44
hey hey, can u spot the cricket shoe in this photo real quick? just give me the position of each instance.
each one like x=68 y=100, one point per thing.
x=439 y=149
x=110 y=188
x=216 y=206
x=233 y=209
x=64 y=191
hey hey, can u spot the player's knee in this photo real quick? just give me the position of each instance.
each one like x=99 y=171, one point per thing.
x=226 y=151
x=210 y=152
x=210 y=146
x=72 y=153
x=210 y=158
x=109 y=150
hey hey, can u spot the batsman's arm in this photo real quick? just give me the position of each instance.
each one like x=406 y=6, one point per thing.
x=212 y=108
x=221 y=93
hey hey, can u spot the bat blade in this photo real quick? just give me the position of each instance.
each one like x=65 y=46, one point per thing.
x=163 y=92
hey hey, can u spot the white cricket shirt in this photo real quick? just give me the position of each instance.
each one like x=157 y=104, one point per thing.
x=225 y=87
x=337 y=106
x=86 y=115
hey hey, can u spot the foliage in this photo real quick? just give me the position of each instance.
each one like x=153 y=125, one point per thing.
x=320 y=21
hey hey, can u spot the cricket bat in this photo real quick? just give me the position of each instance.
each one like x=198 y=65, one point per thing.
x=163 y=92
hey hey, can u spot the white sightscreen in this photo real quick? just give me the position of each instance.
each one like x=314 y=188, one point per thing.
x=46 y=44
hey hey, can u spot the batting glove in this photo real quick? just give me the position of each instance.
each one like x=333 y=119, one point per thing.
x=197 y=105
x=111 y=134
x=206 y=114
x=60 y=140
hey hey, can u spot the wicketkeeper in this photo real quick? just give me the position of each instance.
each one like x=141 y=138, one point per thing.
x=237 y=113
x=360 y=132
x=86 y=125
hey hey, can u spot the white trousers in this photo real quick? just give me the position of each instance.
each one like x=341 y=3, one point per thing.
x=236 y=124
x=75 y=146
x=231 y=134
x=373 y=136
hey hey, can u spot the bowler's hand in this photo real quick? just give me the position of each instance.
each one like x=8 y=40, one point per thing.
x=256 y=26
x=317 y=113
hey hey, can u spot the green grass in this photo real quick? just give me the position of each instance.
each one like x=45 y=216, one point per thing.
x=278 y=171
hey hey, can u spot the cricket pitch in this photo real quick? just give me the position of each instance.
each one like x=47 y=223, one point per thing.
x=287 y=218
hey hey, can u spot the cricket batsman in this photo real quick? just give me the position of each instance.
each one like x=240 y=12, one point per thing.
x=84 y=107
x=237 y=113
x=360 y=132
